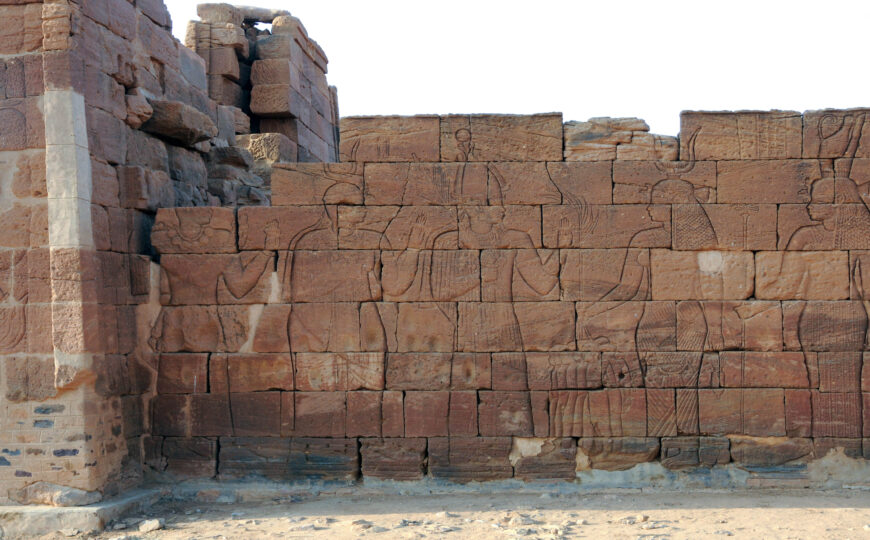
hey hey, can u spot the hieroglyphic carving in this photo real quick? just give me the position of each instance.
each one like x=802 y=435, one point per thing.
x=520 y=275
x=392 y=227
x=626 y=326
x=563 y=371
x=317 y=183
x=615 y=412
x=200 y=329
x=512 y=327
x=501 y=138
x=605 y=274
x=619 y=226
x=499 y=227
x=423 y=184
x=427 y=276
x=671 y=369
x=825 y=326
x=194 y=230
x=717 y=326
x=327 y=372
x=216 y=279
x=288 y=228
x=330 y=276
x=743 y=135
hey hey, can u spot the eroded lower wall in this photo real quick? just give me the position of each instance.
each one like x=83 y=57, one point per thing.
x=483 y=297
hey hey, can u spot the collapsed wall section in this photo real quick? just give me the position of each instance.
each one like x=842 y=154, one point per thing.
x=104 y=118
x=483 y=297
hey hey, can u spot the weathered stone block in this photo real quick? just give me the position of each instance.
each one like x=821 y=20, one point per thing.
x=744 y=227
x=331 y=372
x=394 y=228
x=703 y=275
x=616 y=454
x=522 y=326
x=390 y=138
x=626 y=326
x=669 y=182
x=741 y=135
x=766 y=181
x=621 y=226
x=425 y=184
x=330 y=276
x=194 y=230
x=468 y=459
x=505 y=414
x=216 y=279
x=716 y=326
x=822 y=275
x=426 y=414
x=499 y=227
x=620 y=412
x=605 y=274
x=393 y=459
x=544 y=459
x=250 y=372
x=178 y=122
x=501 y=138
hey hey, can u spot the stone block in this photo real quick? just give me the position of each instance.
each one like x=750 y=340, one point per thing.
x=605 y=274
x=393 y=459
x=824 y=326
x=741 y=135
x=497 y=227
x=616 y=412
x=319 y=414
x=364 y=414
x=703 y=275
x=501 y=138
x=425 y=184
x=194 y=230
x=680 y=452
x=330 y=276
x=250 y=372
x=182 y=374
x=190 y=457
x=509 y=371
x=317 y=183
x=563 y=371
x=616 y=453
x=419 y=371
x=807 y=275
x=522 y=326
x=426 y=414
x=746 y=227
x=330 y=372
x=603 y=226
x=768 y=452
x=744 y=369
x=324 y=459
x=216 y=279
x=523 y=275
x=179 y=123
x=503 y=414
x=716 y=326
x=756 y=412
x=835 y=133
x=200 y=329
x=626 y=326
x=394 y=228
x=287 y=228
x=469 y=459
x=425 y=327
x=822 y=226
x=544 y=459
x=668 y=182
x=254 y=456
x=389 y=138
x=766 y=181
x=836 y=414
x=413 y=276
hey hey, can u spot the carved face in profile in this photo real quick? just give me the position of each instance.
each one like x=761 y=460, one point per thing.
x=822 y=196
x=673 y=191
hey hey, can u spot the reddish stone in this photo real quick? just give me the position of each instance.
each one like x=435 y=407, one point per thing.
x=763 y=370
x=670 y=182
x=525 y=183
x=522 y=326
x=395 y=228
x=822 y=275
x=616 y=454
x=555 y=459
x=216 y=279
x=822 y=446
x=331 y=276
x=251 y=372
x=426 y=327
x=717 y=326
x=471 y=371
x=724 y=226
x=798 y=413
x=364 y=414
x=740 y=135
x=824 y=326
x=426 y=276
x=836 y=414
x=703 y=275
x=499 y=227
x=672 y=369
x=30 y=379
x=618 y=412
x=323 y=327
x=687 y=412
x=419 y=371
x=462 y=421
x=426 y=414
x=390 y=138
x=509 y=371
x=271 y=335
x=283 y=228
x=254 y=456
x=622 y=226
x=320 y=414
x=563 y=371
x=324 y=459
x=765 y=452
x=605 y=274
x=661 y=412
x=256 y=414
x=393 y=414
x=468 y=459
x=621 y=370
x=756 y=412
x=194 y=230
x=766 y=181
x=393 y=459
x=501 y=138
x=505 y=414
x=200 y=329
x=182 y=374
x=330 y=372
x=680 y=452
x=626 y=326
x=424 y=184
x=211 y=415
x=317 y=184
x=519 y=275
x=840 y=371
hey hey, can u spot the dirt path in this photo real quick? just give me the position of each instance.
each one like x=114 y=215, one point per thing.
x=779 y=514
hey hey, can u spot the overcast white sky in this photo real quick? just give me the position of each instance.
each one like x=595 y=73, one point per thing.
x=642 y=58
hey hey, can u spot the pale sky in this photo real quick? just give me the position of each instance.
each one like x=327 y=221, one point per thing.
x=644 y=58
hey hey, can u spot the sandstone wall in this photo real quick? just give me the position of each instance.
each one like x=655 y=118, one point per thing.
x=483 y=297
x=104 y=118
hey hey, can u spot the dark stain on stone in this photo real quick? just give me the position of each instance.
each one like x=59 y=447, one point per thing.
x=66 y=452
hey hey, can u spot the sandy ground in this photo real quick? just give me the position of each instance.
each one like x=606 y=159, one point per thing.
x=774 y=514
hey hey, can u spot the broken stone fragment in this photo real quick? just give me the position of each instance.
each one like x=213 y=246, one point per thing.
x=220 y=13
x=252 y=14
x=607 y=139
x=54 y=495
x=179 y=123
x=138 y=110
x=268 y=149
